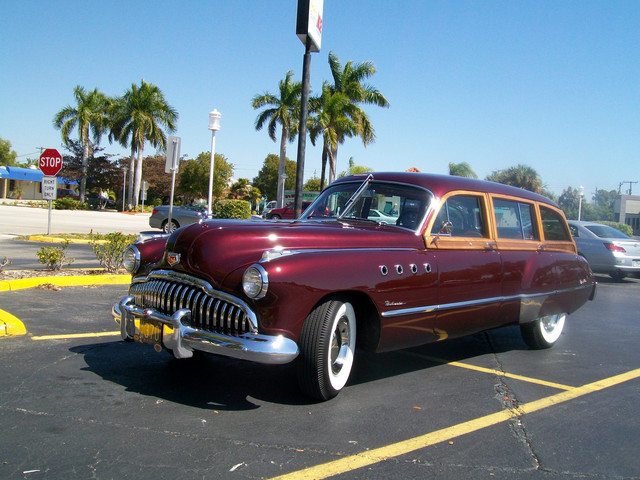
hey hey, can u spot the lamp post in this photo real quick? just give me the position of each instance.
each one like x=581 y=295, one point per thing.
x=581 y=192
x=124 y=184
x=214 y=126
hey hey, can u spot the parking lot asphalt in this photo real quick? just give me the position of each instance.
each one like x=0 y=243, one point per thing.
x=76 y=402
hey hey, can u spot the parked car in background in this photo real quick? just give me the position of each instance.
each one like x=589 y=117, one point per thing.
x=463 y=256
x=268 y=207
x=606 y=249
x=67 y=192
x=287 y=212
x=382 y=217
x=180 y=216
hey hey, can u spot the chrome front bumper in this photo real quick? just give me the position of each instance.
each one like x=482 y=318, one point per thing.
x=183 y=340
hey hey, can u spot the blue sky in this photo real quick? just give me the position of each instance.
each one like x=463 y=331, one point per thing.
x=551 y=84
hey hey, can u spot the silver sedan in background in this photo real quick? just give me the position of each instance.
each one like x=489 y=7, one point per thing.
x=606 y=249
x=180 y=216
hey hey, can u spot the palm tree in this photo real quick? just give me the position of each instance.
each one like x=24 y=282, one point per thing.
x=283 y=110
x=332 y=119
x=349 y=82
x=521 y=176
x=462 y=170
x=90 y=115
x=138 y=116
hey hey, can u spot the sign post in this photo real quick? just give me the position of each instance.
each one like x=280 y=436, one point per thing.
x=50 y=164
x=171 y=165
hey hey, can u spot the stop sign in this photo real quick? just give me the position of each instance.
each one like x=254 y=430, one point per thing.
x=50 y=162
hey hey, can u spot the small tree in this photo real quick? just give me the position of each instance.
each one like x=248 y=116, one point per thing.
x=194 y=177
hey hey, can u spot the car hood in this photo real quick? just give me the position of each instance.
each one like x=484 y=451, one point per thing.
x=215 y=249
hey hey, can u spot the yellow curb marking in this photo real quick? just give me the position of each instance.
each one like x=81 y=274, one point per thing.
x=491 y=371
x=370 y=457
x=42 y=238
x=10 y=325
x=76 y=335
x=69 y=281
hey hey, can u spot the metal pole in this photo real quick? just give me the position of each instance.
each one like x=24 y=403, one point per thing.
x=173 y=183
x=302 y=132
x=124 y=186
x=213 y=148
x=49 y=223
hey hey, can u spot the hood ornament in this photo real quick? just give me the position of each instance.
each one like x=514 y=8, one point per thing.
x=173 y=258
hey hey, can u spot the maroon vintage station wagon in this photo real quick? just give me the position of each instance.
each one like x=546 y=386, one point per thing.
x=381 y=261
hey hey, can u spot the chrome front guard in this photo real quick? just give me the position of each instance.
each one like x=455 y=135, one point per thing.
x=183 y=340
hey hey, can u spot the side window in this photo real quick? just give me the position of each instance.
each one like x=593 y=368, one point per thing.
x=553 y=225
x=465 y=214
x=514 y=220
x=574 y=231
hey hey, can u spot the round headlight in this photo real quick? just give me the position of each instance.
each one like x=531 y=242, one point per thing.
x=131 y=260
x=255 y=282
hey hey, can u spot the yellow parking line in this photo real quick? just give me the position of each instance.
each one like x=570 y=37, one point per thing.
x=492 y=371
x=377 y=455
x=77 y=335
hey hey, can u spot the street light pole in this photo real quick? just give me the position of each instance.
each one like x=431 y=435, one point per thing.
x=214 y=126
x=124 y=186
x=581 y=191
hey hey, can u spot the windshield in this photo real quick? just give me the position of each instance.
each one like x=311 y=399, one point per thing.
x=389 y=203
x=604 y=231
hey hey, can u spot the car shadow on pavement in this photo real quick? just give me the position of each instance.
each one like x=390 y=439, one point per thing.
x=218 y=383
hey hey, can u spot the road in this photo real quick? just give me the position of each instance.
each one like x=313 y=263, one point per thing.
x=76 y=402
x=32 y=221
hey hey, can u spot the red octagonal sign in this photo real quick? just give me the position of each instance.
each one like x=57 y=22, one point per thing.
x=50 y=162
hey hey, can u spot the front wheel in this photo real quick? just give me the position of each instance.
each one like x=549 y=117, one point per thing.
x=544 y=331
x=327 y=348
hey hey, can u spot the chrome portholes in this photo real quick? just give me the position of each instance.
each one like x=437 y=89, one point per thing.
x=413 y=268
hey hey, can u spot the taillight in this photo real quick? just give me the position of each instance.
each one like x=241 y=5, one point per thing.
x=155 y=210
x=615 y=248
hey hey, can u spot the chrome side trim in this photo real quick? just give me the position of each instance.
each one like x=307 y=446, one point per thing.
x=273 y=254
x=530 y=304
x=183 y=340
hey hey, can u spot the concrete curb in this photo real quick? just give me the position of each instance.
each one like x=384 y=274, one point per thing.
x=44 y=238
x=12 y=326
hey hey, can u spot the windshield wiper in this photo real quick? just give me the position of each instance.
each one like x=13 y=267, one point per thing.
x=356 y=195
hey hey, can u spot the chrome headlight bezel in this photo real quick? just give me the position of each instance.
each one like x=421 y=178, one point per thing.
x=131 y=259
x=255 y=281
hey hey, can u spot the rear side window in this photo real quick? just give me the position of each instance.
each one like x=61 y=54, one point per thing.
x=465 y=214
x=515 y=220
x=553 y=225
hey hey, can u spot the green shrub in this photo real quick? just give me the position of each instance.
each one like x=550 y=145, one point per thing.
x=5 y=261
x=109 y=249
x=623 y=227
x=232 y=209
x=68 y=203
x=54 y=257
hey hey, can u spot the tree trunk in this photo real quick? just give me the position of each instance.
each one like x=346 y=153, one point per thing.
x=138 y=179
x=132 y=163
x=324 y=166
x=85 y=162
x=283 y=156
x=333 y=155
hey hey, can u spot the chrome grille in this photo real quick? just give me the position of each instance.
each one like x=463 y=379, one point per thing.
x=210 y=310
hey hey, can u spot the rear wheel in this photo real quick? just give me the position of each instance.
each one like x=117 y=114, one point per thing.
x=166 y=228
x=543 y=332
x=327 y=349
x=618 y=275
